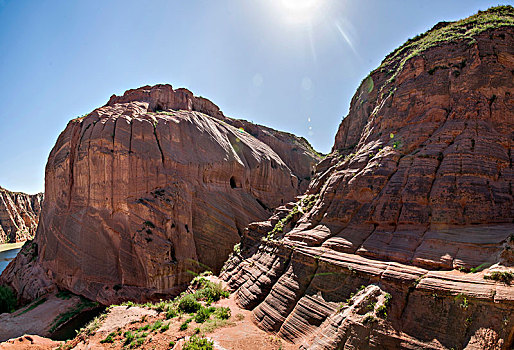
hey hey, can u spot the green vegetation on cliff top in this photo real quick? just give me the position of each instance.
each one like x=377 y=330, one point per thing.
x=445 y=32
x=442 y=33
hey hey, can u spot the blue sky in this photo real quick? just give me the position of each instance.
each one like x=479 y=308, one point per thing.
x=289 y=64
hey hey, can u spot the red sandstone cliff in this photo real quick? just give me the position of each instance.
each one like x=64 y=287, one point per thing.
x=417 y=192
x=19 y=215
x=150 y=188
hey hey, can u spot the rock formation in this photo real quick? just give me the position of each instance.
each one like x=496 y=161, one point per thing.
x=19 y=215
x=150 y=188
x=415 y=204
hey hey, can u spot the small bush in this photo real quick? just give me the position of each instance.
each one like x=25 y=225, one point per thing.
x=160 y=306
x=501 y=276
x=223 y=313
x=165 y=327
x=382 y=311
x=144 y=328
x=210 y=291
x=171 y=313
x=157 y=325
x=108 y=339
x=202 y=315
x=129 y=337
x=387 y=299
x=184 y=326
x=196 y=343
x=7 y=300
x=188 y=304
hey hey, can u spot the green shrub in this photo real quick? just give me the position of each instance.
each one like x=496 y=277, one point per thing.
x=211 y=291
x=165 y=327
x=184 y=326
x=160 y=306
x=196 y=343
x=382 y=311
x=223 y=313
x=140 y=341
x=202 y=315
x=188 y=303
x=108 y=339
x=501 y=276
x=144 y=328
x=7 y=300
x=64 y=295
x=129 y=337
x=156 y=325
x=171 y=313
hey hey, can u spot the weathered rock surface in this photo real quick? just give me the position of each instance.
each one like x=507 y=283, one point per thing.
x=295 y=151
x=19 y=215
x=144 y=191
x=419 y=186
x=26 y=276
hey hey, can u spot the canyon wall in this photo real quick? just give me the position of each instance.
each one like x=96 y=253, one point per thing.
x=147 y=191
x=405 y=237
x=19 y=215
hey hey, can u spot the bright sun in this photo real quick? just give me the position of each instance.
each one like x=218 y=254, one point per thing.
x=299 y=10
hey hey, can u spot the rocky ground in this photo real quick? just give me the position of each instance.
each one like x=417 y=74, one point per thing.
x=161 y=326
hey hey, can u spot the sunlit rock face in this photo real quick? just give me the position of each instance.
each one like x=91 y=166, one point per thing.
x=415 y=203
x=19 y=215
x=153 y=187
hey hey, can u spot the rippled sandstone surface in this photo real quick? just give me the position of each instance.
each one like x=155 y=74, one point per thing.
x=407 y=228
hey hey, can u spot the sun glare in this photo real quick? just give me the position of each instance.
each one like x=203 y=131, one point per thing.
x=298 y=11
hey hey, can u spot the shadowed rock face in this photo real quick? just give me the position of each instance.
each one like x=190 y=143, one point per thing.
x=19 y=215
x=419 y=185
x=144 y=191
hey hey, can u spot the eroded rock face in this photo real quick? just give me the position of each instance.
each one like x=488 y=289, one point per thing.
x=144 y=191
x=19 y=215
x=419 y=186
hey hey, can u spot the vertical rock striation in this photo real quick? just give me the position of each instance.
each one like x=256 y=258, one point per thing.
x=19 y=215
x=151 y=188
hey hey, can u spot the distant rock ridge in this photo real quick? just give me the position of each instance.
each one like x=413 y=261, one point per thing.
x=146 y=191
x=405 y=237
x=19 y=215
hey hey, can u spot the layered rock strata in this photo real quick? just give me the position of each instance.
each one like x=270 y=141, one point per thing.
x=415 y=204
x=19 y=215
x=148 y=190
